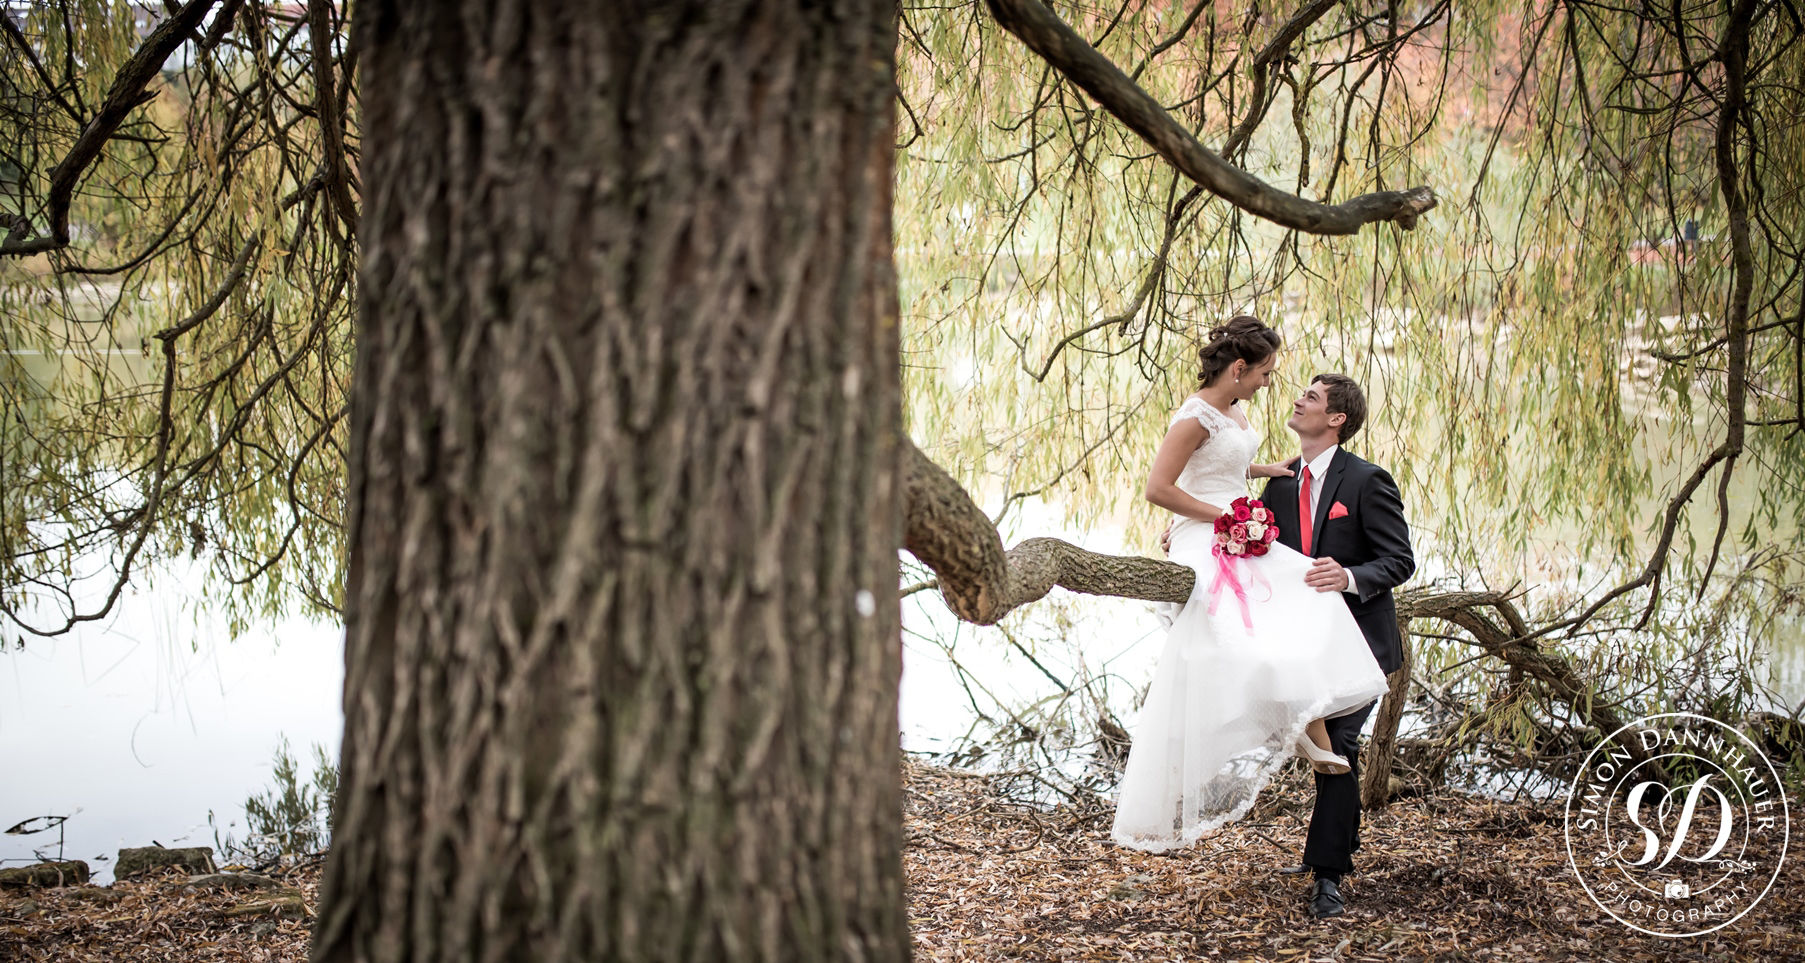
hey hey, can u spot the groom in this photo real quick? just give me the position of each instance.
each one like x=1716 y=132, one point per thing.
x=1345 y=512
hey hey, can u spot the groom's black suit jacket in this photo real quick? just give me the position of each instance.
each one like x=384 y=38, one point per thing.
x=1372 y=541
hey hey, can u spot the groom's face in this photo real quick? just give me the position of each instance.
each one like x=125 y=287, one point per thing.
x=1310 y=415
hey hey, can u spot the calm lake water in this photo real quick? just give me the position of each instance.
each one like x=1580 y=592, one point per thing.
x=140 y=726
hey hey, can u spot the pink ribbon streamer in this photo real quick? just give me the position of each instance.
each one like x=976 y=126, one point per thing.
x=1225 y=572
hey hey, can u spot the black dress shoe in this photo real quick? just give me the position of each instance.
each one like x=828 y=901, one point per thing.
x=1298 y=870
x=1325 y=900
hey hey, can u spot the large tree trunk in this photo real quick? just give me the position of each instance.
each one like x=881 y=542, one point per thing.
x=623 y=644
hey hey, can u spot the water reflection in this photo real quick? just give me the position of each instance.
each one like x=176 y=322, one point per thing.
x=138 y=726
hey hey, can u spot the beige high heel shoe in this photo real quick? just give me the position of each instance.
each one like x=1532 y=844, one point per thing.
x=1322 y=760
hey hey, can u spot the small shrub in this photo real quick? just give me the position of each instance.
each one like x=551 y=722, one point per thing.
x=292 y=817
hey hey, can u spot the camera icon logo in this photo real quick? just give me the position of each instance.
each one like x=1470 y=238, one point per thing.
x=1677 y=889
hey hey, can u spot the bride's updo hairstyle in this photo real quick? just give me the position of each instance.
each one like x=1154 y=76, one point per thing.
x=1243 y=338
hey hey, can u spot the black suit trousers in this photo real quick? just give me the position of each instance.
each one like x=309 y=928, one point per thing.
x=1335 y=824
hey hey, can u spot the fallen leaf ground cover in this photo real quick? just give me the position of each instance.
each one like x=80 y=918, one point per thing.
x=162 y=919
x=1446 y=876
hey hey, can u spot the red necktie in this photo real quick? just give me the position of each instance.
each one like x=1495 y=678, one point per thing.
x=1303 y=512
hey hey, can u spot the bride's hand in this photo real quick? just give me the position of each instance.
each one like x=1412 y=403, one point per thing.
x=1277 y=469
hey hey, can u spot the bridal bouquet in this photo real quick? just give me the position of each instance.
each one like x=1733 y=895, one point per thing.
x=1246 y=528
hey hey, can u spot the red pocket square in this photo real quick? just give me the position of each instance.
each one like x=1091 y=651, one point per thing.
x=1337 y=510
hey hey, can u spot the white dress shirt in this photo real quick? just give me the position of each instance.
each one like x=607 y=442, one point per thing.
x=1319 y=466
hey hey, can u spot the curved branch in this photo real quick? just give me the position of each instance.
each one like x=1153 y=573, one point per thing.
x=1275 y=50
x=1048 y=36
x=981 y=582
x=126 y=95
x=1516 y=648
x=1171 y=41
x=207 y=309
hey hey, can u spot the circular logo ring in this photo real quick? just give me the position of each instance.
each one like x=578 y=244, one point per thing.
x=1675 y=841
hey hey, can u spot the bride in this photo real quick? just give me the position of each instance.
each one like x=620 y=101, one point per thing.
x=1256 y=660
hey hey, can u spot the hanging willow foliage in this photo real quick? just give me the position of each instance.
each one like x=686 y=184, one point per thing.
x=176 y=286
x=1596 y=331
x=1584 y=363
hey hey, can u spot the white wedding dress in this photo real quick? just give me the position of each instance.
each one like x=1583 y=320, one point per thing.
x=1227 y=703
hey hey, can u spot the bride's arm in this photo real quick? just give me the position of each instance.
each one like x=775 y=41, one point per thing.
x=1162 y=483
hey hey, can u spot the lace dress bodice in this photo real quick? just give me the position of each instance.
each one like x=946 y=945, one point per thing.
x=1216 y=472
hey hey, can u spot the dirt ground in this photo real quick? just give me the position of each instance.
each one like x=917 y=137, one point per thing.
x=161 y=919
x=1443 y=877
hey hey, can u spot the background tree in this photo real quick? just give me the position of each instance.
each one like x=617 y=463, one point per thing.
x=1553 y=360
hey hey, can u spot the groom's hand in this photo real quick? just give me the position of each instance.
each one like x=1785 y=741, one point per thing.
x=1326 y=575
x=1165 y=539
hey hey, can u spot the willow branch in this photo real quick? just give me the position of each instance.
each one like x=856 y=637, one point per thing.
x=332 y=129
x=1277 y=48
x=1733 y=51
x=126 y=94
x=1062 y=48
x=52 y=89
x=1171 y=41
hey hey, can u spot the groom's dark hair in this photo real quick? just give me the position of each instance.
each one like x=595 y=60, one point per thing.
x=1345 y=397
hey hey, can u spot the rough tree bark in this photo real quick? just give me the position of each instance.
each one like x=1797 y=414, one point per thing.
x=622 y=633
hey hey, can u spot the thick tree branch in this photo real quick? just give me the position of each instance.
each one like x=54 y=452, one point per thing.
x=126 y=94
x=981 y=582
x=1057 y=44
